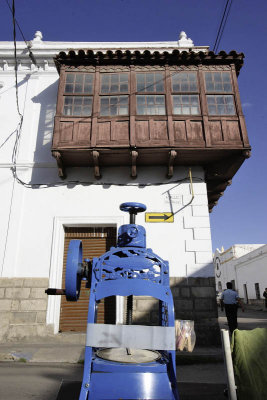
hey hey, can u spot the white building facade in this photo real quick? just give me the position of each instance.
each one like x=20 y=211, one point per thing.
x=37 y=207
x=245 y=265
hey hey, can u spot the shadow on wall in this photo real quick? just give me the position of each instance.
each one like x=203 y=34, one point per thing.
x=47 y=100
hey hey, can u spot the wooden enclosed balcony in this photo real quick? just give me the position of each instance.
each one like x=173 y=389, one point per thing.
x=138 y=109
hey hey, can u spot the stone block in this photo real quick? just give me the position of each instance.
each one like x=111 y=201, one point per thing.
x=33 y=305
x=212 y=281
x=199 y=188
x=174 y=281
x=2 y=293
x=37 y=293
x=198 y=245
x=175 y=291
x=147 y=305
x=4 y=325
x=203 y=257
x=15 y=305
x=203 y=291
x=36 y=282
x=185 y=292
x=17 y=293
x=23 y=317
x=200 y=211
x=205 y=304
x=41 y=316
x=5 y=305
x=19 y=332
x=6 y=282
x=198 y=281
x=196 y=222
x=202 y=233
x=183 y=305
x=11 y=282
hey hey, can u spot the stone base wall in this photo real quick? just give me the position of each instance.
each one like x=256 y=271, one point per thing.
x=23 y=305
x=194 y=299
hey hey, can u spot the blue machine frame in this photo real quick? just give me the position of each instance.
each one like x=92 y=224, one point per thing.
x=130 y=269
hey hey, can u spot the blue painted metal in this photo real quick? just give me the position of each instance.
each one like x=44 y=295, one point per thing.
x=73 y=270
x=127 y=269
x=132 y=207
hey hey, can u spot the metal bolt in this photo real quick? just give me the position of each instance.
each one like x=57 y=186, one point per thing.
x=86 y=385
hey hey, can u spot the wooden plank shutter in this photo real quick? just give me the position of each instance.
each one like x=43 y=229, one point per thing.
x=73 y=315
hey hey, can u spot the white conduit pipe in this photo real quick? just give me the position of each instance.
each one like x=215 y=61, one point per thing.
x=228 y=365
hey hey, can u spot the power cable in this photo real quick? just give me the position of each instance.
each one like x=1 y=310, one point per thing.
x=26 y=42
x=224 y=18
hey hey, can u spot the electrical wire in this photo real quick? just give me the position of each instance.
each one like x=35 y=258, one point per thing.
x=224 y=19
x=26 y=42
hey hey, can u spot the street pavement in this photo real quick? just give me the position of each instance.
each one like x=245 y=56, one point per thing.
x=41 y=366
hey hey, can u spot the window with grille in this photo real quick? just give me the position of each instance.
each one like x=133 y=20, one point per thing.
x=78 y=92
x=112 y=103
x=184 y=102
x=150 y=104
x=218 y=83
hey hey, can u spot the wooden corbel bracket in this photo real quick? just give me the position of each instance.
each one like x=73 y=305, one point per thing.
x=96 y=164
x=172 y=156
x=61 y=170
x=134 y=155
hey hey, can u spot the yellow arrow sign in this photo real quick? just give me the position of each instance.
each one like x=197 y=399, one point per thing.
x=159 y=217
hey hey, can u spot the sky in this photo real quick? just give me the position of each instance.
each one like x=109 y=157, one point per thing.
x=241 y=214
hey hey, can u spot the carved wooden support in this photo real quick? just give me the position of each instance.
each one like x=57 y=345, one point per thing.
x=172 y=156
x=61 y=170
x=96 y=164
x=247 y=153
x=134 y=155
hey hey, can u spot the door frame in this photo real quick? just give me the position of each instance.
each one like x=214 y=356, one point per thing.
x=56 y=259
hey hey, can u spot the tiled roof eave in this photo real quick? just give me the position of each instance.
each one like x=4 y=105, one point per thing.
x=128 y=57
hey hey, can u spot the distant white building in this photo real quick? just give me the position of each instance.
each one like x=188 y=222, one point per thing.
x=245 y=265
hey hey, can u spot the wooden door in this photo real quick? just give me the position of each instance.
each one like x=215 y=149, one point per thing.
x=73 y=315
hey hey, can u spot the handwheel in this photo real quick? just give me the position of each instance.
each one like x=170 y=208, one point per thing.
x=132 y=207
x=74 y=270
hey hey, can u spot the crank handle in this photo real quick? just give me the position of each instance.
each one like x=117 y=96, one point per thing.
x=55 y=292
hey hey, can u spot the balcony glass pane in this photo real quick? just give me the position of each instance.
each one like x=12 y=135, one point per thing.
x=77 y=105
x=184 y=82
x=221 y=105
x=150 y=105
x=150 y=82
x=218 y=82
x=114 y=83
x=114 y=105
x=186 y=104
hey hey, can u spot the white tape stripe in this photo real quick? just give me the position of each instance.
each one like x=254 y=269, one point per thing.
x=133 y=336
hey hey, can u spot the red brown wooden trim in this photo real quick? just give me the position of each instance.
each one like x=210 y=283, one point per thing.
x=96 y=108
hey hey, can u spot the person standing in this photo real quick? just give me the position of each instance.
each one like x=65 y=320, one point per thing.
x=265 y=296
x=230 y=301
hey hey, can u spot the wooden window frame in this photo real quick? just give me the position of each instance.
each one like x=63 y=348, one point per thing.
x=220 y=93
x=186 y=93
x=76 y=94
